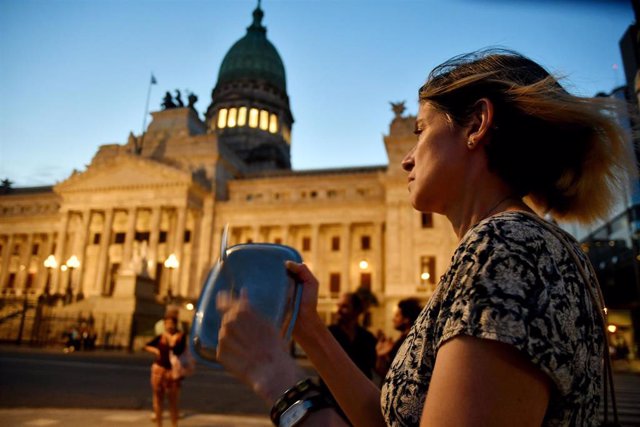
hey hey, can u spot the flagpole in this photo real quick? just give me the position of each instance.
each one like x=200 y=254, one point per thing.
x=138 y=148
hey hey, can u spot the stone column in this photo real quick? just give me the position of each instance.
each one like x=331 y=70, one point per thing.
x=207 y=238
x=255 y=234
x=25 y=256
x=285 y=235
x=56 y=279
x=178 y=244
x=154 y=236
x=128 y=241
x=193 y=283
x=103 y=253
x=43 y=272
x=315 y=245
x=346 y=266
x=378 y=250
x=6 y=256
x=82 y=250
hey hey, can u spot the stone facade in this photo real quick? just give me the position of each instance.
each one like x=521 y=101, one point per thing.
x=171 y=190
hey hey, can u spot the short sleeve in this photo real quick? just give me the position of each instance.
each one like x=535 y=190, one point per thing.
x=501 y=293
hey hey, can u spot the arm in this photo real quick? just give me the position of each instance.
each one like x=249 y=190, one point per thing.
x=250 y=348
x=357 y=395
x=152 y=346
x=466 y=368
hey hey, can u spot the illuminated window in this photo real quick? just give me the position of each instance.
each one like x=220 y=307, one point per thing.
x=365 y=280
x=273 y=123
x=264 y=119
x=286 y=134
x=253 y=118
x=233 y=114
x=427 y=270
x=242 y=116
x=222 y=118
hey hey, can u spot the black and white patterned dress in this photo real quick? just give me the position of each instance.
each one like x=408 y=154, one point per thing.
x=513 y=281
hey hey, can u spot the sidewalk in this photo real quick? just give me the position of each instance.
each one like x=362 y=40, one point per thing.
x=118 y=417
x=631 y=366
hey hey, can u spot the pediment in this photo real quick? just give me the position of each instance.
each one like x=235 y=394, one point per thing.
x=124 y=171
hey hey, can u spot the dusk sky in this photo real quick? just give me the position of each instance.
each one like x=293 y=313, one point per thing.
x=75 y=74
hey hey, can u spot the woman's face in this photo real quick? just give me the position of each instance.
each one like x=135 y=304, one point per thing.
x=436 y=163
x=170 y=325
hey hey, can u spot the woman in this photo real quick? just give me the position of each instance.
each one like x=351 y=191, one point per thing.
x=162 y=380
x=514 y=329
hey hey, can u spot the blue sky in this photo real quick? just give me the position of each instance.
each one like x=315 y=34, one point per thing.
x=74 y=74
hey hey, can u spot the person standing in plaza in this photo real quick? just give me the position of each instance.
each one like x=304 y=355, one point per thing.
x=356 y=341
x=163 y=381
x=403 y=319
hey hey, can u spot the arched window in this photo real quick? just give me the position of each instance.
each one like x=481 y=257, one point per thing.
x=242 y=116
x=273 y=123
x=233 y=113
x=222 y=118
x=264 y=119
x=253 y=118
x=286 y=134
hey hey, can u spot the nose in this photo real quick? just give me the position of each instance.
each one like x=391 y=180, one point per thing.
x=407 y=162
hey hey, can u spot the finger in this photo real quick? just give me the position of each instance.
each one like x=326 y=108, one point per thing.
x=301 y=271
x=244 y=298
x=223 y=301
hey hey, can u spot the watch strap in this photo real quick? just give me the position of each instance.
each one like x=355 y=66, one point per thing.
x=294 y=394
x=310 y=404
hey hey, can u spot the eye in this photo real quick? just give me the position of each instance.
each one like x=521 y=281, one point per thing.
x=417 y=132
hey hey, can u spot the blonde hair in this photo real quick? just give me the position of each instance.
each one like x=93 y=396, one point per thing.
x=566 y=154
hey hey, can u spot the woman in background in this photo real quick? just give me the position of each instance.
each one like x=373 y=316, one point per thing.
x=162 y=380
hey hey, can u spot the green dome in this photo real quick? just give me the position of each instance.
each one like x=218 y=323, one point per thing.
x=253 y=57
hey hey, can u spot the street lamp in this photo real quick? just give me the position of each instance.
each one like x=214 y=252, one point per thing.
x=50 y=263
x=171 y=263
x=72 y=263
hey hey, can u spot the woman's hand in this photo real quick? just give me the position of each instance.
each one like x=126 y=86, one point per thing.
x=384 y=346
x=309 y=305
x=250 y=348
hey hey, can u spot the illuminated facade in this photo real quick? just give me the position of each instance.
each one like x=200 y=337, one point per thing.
x=155 y=206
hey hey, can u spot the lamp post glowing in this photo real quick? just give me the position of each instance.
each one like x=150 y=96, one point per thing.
x=50 y=263
x=72 y=263
x=171 y=263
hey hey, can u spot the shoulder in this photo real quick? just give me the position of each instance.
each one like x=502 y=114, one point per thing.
x=511 y=244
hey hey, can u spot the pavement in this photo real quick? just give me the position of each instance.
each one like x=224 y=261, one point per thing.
x=43 y=417
x=81 y=417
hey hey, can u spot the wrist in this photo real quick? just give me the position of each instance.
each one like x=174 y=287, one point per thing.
x=276 y=380
x=298 y=401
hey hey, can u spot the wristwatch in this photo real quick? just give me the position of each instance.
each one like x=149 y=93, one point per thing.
x=301 y=409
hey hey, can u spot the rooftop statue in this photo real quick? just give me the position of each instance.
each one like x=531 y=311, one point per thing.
x=179 y=102
x=398 y=108
x=192 y=100
x=167 y=102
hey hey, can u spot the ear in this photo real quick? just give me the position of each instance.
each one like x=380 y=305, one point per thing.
x=480 y=123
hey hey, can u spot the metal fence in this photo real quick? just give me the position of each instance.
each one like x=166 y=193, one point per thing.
x=38 y=323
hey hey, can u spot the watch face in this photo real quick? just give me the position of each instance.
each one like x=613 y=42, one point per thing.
x=293 y=415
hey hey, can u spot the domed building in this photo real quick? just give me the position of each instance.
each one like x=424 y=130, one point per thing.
x=140 y=227
x=249 y=108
